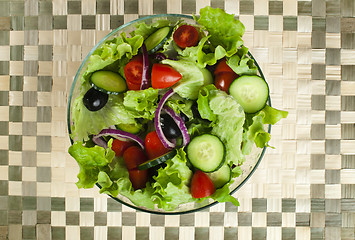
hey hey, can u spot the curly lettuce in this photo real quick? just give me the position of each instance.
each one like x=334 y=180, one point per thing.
x=223 y=29
x=228 y=125
x=86 y=123
x=100 y=166
x=241 y=63
x=254 y=131
x=172 y=183
x=107 y=56
x=201 y=54
x=91 y=162
x=142 y=103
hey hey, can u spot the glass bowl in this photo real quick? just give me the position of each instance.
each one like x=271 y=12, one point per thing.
x=250 y=164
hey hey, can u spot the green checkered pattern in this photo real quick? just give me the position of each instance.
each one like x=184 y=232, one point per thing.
x=303 y=189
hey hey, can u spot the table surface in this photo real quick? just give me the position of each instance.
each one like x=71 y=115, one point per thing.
x=303 y=189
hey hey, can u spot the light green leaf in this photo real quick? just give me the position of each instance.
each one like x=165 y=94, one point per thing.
x=193 y=78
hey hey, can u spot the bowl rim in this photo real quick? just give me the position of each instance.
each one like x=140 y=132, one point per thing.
x=113 y=32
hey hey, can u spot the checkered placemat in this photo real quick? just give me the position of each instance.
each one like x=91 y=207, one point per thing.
x=303 y=189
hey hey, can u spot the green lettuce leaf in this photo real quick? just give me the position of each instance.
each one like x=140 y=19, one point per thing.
x=180 y=105
x=142 y=103
x=143 y=29
x=241 y=63
x=223 y=29
x=197 y=54
x=236 y=171
x=222 y=195
x=193 y=78
x=171 y=186
x=203 y=103
x=228 y=125
x=198 y=127
x=91 y=162
x=107 y=56
x=87 y=123
x=273 y=115
x=107 y=185
x=227 y=118
x=254 y=127
x=255 y=134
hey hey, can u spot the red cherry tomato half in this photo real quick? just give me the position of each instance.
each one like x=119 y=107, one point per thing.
x=164 y=76
x=222 y=66
x=119 y=146
x=133 y=72
x=186 y=36
x=223 y=80
x=138 y=178
x=153 y=146
x=134 y=156
x=201 y=185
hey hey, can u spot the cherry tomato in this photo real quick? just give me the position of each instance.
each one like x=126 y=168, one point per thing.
x=222 y=66
x=119 y=146
x=201 y=185
x=134 y=156
x=186 y=36
x=164 y=76
x=138 y=178
x=223 y=80
x=153 y=146
x=133 y=72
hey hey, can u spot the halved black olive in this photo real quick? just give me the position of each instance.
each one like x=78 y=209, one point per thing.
x=94 y=99
x=184 y=117
x=170 y=129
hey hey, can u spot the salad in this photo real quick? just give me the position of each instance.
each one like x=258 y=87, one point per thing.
x=167 y=113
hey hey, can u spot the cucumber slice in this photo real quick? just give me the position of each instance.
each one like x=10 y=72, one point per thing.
x=221 y=176
x=157 y=39
x=206 y=152
x=251 y=92
x=131 y=128
x=108 y=82
x=156 y=161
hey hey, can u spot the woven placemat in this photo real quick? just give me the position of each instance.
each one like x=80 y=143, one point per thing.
x=303 y=189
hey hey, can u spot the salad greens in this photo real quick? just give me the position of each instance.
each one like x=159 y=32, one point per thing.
x=224 y=30
x=193 y=78
x=228 y=124
x=121 y=48
x=141 y=104
x=88 y=123
x=220 y=114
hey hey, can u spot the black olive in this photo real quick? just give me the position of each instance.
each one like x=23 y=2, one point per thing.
x=170 y=129
x=184 y=117
x=94 y=99
x=194 y=109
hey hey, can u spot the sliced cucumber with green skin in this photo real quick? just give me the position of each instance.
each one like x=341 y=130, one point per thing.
x=157 y=39
x=206 y=152
x=251 y=92
x=157 y=161
x=108 y=82
x=131 y=128
x=221 y=176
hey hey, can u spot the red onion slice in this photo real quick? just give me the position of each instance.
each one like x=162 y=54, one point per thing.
x=157 y=124
x=99 y=141
x=145 y=73
x=180 y=123
x=159 y=56
x=119 y=134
